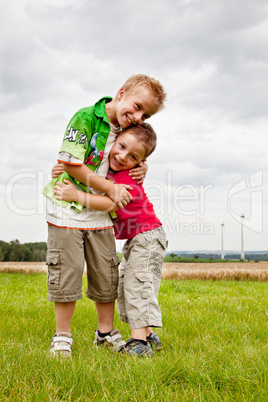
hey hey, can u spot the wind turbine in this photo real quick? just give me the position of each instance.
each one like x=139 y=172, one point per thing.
x=222 y=252
x=242 y=238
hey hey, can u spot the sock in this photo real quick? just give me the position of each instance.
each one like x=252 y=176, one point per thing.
x=103 y=334
x=141 y=341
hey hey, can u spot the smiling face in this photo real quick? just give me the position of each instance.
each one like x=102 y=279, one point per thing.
x=126 y=152
x=134 y=108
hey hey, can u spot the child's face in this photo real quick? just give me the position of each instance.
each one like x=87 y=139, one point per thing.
x=126 y=152
x=134 y=109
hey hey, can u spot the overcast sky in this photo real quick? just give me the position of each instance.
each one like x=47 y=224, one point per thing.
x=211 y=164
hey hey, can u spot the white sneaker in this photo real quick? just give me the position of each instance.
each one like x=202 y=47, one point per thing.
x=113 y=341
x=61 y=345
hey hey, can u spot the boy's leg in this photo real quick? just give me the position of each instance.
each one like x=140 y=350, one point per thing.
x=105 y=314
x=149 y=331
x=64 y=313
x=102 y=274
x=139 y=333
x=65 y=260
x=140 y=281
x=144 y=256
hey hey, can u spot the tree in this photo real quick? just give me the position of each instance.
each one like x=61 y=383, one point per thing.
x=27 y=254
x=173 y=255
x=15 y=251
x=196 y=256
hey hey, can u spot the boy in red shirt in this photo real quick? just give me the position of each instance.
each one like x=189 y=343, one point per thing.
x=144 y=250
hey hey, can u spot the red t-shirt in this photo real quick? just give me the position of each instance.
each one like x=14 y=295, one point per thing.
x=138 y=215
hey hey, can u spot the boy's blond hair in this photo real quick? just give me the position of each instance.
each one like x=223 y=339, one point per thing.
x=140 y=82
x=145 y=134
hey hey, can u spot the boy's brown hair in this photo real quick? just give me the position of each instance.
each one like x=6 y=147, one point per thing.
x=140 y=82
x=145 y=134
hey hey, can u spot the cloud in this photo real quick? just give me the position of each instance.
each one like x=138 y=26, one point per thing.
x=212 y=57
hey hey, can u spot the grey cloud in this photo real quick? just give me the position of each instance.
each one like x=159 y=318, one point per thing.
x=51 y=42
x=211 y=57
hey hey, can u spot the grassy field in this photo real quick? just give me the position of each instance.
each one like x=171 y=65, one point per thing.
x=214 y=336
x=255 y=271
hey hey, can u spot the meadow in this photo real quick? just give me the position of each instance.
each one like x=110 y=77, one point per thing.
x=255 y=271
x=214 y=337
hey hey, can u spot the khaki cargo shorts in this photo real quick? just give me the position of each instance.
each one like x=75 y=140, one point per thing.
x=139 y=279
x=68 y=249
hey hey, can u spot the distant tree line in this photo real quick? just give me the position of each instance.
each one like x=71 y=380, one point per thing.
x=248 y=256
x=15 y=251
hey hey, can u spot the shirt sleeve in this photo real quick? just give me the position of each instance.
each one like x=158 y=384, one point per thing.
x=77 y=135
x=69 y=159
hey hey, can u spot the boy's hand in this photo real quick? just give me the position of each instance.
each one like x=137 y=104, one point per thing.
x=139 y=173
x=66 y=192
x=57 y=170
x=119 y=194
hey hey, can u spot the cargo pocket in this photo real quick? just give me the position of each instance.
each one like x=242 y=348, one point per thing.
x=121 y=296
x=145 y=283
x=115 y=270
x=162 y=241
x=53 y=267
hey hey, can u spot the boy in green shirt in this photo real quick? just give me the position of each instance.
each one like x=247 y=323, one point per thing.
x=75 y=233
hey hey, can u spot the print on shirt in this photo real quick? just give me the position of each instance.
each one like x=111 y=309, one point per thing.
x=72 y=136
x=95 y=156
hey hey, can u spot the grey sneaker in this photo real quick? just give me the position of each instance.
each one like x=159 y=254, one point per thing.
x=154 y=341
x=113 y=341
x=134 y=347
x=61 y=345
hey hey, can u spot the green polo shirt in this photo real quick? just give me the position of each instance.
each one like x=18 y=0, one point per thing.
x=85 y=139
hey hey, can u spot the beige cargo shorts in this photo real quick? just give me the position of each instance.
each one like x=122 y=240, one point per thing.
x=139 y=279
x=68 y=249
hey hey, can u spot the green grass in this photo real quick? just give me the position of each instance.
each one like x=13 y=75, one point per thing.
x=214 y=336
x=199 y=260
x=168 y=258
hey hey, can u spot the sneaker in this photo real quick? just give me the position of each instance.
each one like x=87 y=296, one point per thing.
x=133 y=347
x=113 y=340
x=154 y=341
x=61 y=345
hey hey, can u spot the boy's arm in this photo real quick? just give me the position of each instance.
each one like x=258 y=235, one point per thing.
x=68 y=192
x=117 y=192
x=138 y=173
